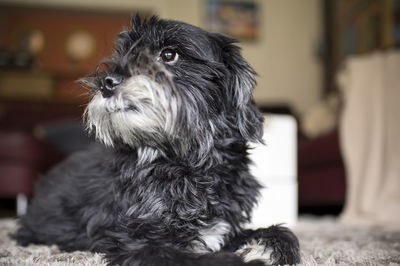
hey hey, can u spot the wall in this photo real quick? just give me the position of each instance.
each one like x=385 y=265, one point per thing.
x=283 y=56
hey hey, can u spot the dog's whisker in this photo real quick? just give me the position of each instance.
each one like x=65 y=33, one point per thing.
x=125 y=58
x=130 y=70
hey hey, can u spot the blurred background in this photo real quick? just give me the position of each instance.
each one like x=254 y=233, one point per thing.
x=300 y=49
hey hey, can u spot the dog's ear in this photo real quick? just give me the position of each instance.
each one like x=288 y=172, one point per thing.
x=240 y=82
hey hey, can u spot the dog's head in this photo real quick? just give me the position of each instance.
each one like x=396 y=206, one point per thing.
x=174 y=87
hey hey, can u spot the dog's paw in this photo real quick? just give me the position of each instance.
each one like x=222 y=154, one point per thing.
x=255 y=250
x=224 y=258
x=275 y=245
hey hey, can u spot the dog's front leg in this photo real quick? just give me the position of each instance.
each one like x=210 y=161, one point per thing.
x=275 y=245
x=170 y=256
x=149 y=244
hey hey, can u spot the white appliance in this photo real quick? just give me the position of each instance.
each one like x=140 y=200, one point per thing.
x=275 y=167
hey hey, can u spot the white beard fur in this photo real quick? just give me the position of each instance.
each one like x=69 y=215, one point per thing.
x=111 y=118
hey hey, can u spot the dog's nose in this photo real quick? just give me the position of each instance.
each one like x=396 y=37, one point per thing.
x=109 y=84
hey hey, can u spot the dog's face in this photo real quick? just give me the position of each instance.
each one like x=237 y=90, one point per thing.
x=173 y=87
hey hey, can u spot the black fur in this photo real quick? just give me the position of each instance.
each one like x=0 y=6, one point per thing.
x=151 y=195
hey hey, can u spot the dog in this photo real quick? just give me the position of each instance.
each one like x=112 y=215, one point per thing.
x=170 y=183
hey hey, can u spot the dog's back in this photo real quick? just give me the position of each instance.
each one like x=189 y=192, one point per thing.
x=66 y=199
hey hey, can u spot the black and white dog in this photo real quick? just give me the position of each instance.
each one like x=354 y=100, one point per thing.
x=171 y=186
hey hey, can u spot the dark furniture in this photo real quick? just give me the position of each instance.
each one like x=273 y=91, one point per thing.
x=321 y=178
x=23 y=157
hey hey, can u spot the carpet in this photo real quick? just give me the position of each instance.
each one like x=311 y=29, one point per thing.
x=322 y=240
x=325 y=242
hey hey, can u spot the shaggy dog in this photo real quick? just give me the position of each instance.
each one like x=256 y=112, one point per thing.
x=171 y=184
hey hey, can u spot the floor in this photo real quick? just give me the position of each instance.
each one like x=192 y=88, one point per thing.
x=323 y=241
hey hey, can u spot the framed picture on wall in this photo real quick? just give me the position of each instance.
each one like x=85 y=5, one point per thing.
x=355 y=27
x=238 y=19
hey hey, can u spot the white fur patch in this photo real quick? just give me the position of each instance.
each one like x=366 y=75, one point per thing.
x=213 y=238
x=255 y=251
x=147 y=155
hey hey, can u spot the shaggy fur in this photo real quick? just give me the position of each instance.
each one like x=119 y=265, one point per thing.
x=171 y=184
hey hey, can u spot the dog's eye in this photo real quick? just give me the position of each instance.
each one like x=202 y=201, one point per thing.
x=169 y=56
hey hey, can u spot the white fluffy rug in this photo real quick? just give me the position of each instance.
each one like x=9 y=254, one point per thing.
x=323 y=242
